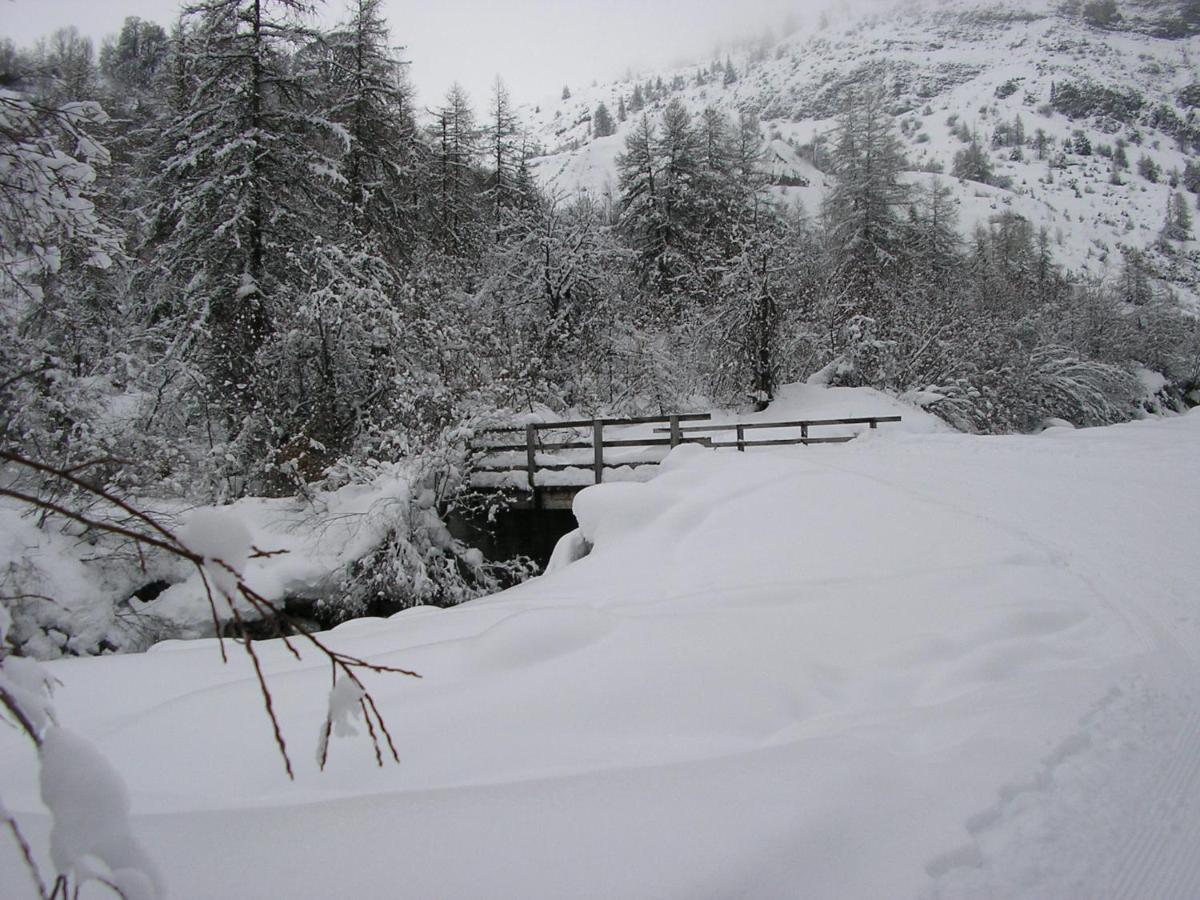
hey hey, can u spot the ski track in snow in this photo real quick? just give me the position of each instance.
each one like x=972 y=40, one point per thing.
x=1152 y=849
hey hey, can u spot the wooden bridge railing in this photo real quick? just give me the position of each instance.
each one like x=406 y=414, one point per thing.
x=676 y=434
x=804 y=424
x=533 y=444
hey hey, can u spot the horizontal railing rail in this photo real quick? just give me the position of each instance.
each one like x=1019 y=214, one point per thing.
x=588 y=423
x=803 y=424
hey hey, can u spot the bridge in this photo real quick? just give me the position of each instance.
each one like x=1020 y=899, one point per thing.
x=555 y=460
x=539 y=468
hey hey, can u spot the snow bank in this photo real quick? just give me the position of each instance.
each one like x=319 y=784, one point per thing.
x=917 y=664
x=312 y=541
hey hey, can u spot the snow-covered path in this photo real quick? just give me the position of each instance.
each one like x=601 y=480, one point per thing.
x=916 y=665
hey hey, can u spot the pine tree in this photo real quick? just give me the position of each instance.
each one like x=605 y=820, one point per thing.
x=455 y=149
x=1120 y=158
x=1178 y=223
x=502 y=151
x=1134 y=285
x=369 y=96
x=131 y=61
x=1148 y=169
x=730 y=72
x=602 y=123
x=621 y=113
x=247 y=182
x=862 y=208
x=972 y=163
x=637 y=169
x=679 y=150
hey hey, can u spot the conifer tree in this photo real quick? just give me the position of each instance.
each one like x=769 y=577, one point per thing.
x=132 y=59
x=369 y=96
x=247 y=182
x=862 y=208
x=637 y=101
x=503 y=151
x=602 y=123
x=972 y=163
x=455 y=140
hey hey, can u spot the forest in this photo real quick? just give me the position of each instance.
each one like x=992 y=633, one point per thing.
x=239 y=259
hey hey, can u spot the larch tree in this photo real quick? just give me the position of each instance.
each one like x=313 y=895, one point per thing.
x=602 y=123
x=679 y=154
x=370 y=97
x=252 y=173
x=637 y=169
x=455 y=150
x=503 y=151
x=863 y=208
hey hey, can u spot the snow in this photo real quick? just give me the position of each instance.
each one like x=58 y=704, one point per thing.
x=90 y=808
x=224 y=543
x=310 y=541
x=920 y=664
x=345 y=699
x=30 y=687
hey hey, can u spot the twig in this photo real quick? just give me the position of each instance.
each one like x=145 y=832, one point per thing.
x=34 y=872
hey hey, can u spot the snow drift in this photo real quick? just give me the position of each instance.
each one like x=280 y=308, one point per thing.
x=919 y=664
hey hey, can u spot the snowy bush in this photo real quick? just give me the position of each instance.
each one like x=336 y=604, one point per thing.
x=1050 y=383
x=868 y=358
x=1084 y=392
x=414 y=560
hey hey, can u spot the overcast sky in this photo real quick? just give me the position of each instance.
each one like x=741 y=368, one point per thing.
x=537 y=46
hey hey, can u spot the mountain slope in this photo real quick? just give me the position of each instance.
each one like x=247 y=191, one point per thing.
x=953 y=70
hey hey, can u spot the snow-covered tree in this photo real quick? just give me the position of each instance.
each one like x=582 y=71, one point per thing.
x=247 y=182
x=602 y=123
x=369 y=96
x=502 y=150
x=455 y=150
x=863 y=208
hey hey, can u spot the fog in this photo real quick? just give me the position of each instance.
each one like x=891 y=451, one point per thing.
x=537 y=46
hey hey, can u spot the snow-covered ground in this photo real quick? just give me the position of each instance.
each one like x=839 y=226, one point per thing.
x=921 y=664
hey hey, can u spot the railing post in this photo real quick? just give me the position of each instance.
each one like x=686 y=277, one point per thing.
x=874 y=423
x=675 y=431
x=531 y=455
x=804 y=434
x=598 y=448
x=741 y=439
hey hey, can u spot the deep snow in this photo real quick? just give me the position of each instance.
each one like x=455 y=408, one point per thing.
x=919 y=664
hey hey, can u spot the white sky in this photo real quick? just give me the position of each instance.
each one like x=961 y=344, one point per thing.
x=537 y=46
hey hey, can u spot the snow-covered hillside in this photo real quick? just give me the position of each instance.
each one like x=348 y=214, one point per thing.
x=919 y=664
x=950 y=67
